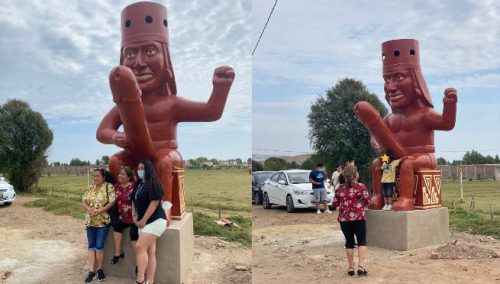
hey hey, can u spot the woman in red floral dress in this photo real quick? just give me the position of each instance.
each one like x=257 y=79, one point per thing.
x=351 y=199
x=123 y=212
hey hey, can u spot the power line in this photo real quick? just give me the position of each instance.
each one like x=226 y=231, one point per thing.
x=268 y=18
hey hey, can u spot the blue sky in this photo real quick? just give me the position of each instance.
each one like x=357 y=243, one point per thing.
x=309 y=46
x=57 y=55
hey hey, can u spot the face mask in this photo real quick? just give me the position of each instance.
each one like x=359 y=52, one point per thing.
x=140 y=173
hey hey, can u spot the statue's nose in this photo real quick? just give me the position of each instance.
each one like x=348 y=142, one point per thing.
x=140 y=61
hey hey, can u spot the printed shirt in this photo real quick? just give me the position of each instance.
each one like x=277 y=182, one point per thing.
x=351 y=202
x=124 y=203
x=318 y=176
x=98 y=198
x=389 y=171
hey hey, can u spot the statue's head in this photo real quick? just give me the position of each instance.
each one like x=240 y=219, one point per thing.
x=404 y=83
x=144 y=47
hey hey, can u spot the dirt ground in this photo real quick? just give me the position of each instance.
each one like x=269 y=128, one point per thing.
x=305 y=247
x=39 y=247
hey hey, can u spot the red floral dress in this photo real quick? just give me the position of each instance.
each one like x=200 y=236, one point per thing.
x=351 y=202
x=123 y=203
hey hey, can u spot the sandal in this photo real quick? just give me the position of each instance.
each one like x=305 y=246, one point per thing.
x=350 y=271
x=116 y=258
x=362 y=271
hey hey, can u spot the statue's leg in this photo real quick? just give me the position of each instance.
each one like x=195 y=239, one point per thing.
x=165 y=161
x=127 y=96
x=120 y=159
x=407 y=169
x=377 y=201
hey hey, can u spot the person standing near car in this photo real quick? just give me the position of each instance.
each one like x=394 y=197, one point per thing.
x=335 y=177
x=317 y=178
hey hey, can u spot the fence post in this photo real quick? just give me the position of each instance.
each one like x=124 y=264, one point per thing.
x=461 y=186
x=491 y=211
x=52 y=191
x=219 y=212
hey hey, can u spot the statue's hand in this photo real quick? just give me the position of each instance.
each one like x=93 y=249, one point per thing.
x=450 y=95
x=123 y=85
x=120 y=140
x=223 y=77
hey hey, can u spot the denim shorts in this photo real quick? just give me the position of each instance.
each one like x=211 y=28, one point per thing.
x=96 y=237
x=387 y=189
x=319 y=194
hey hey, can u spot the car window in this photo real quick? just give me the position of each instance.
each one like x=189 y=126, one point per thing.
x=262 y=177
x=296 y=178
x=282 y=177
x=274 y=177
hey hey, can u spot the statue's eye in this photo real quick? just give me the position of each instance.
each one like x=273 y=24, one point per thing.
x=400 y=77
x=130 y=54
x=151 y=52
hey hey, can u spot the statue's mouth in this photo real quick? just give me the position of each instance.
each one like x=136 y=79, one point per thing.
x=396 y=97
x=143 y=77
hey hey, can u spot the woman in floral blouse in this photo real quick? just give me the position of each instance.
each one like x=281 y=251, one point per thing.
x=97 y=200
x=123 y=218
x=351 y=199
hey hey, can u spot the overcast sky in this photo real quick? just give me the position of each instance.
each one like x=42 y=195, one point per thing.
x=57 y=55
x=309 y=45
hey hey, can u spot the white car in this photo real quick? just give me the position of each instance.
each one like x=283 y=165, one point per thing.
x=7 y=193
x=292 y=189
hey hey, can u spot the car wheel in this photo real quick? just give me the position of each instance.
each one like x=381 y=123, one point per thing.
x=332 y=208
x=7 y=203
x=290 y=208
x=265 y=202
x=257 y=198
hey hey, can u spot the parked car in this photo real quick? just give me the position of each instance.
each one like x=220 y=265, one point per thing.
x=258 y=179
x=7 y=193
x=292 y=189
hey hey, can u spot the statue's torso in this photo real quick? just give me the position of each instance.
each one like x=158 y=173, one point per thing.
x=161 y=121
x=411 y=131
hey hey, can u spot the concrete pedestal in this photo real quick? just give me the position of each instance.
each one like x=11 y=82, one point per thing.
x=174 y=253
x=407 y=230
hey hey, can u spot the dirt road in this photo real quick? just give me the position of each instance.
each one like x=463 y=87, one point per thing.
x=39 y=247
x=305 y=247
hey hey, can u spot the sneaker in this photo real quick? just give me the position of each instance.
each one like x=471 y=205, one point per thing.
x=100 y=275
x=318 y=211
x=389 y=207
x=385 y=207
x=328 y=211
x=90 y=278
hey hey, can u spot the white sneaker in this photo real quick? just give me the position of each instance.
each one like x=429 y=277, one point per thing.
x=328 y=211
x=389 y=207
x=385 y=207
x=318 y=211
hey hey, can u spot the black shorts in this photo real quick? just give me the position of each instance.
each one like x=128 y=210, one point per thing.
x=388 y=189
x=354 y=228
x=118 y=225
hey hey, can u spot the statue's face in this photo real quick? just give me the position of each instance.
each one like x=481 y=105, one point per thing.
x=147 y=61
x=399 y=89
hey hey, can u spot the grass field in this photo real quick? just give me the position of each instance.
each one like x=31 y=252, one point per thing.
x=486 y=201
x=207 y=191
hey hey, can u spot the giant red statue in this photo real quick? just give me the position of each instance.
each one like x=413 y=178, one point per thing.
x=145 y=94
x=408 y=131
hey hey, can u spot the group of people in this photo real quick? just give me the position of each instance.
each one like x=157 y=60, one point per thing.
x=350 y=198
x=135 y=202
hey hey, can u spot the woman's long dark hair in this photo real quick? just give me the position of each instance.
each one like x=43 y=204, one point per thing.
x=151 y=182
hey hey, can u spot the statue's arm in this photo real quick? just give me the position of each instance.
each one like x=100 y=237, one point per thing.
x=109 y=126
x=187 y=110
x=445 y=121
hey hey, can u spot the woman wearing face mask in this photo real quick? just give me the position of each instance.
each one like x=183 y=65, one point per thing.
x=150 y=218
x=123 y=218
x=97 y=200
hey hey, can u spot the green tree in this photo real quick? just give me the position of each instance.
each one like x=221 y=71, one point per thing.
x=256 y=166
x=24 y=139
x=78 y=162
x=105 y=160
x=497 y=159
x=294 y=165
x=335 y=132
x=473 y=157
x=275 y=164
x=442 y=161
